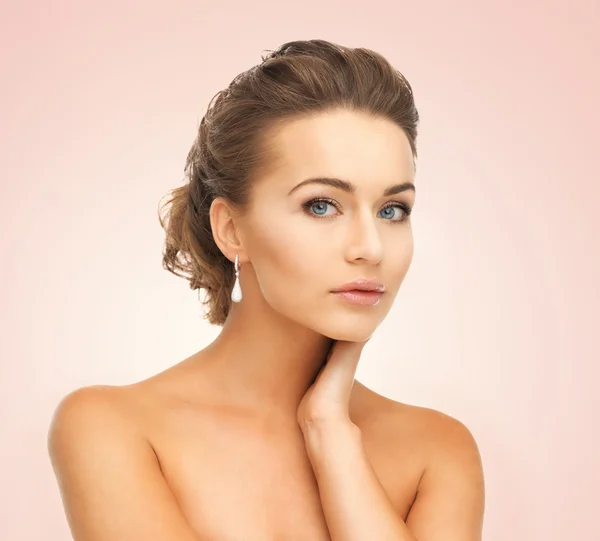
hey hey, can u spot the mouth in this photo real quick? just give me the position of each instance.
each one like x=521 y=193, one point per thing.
x=361 y=291
x=362 y=284
x=358 y=296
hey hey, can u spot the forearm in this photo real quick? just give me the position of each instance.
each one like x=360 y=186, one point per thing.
x=354 y=502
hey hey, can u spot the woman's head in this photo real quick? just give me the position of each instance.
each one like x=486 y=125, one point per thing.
x=311 y=109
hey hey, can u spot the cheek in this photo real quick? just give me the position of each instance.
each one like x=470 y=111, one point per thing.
x=295 y=267
x=289 y=262
x=403 y=256
x=399 y=261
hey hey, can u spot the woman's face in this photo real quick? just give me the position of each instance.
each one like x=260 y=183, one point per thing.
x=303 y=241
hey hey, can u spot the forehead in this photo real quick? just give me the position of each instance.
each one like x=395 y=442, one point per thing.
x=346 y=144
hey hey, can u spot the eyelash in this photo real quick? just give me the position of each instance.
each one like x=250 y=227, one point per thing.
x=306 y=206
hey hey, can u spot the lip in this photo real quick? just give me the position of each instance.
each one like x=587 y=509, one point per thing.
x=361 y=291
x=355 y=296
x=361 y=285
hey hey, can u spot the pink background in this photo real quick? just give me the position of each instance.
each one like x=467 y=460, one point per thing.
x=495 y=321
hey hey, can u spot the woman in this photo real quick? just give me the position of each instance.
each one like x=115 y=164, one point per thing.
x=295 y=223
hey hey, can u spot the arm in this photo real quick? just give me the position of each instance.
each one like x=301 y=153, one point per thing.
x=354 y=502
x=109 y=477
x=450 y=497
x=449 y=503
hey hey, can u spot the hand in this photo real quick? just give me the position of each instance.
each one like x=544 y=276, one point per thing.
x=328 y=398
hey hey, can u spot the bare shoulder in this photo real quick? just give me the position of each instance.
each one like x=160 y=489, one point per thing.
x=439 y=444
x=441 y=431
x=128 y=414
x=115 y=411
x=449 y=499
x=444 y=437
x=105 y=466
x=95 y=404
x=435 y=430
x=97 y=417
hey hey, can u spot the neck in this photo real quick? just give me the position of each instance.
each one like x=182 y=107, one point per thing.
x=263 y=361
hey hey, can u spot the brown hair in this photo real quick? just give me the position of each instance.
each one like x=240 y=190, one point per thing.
x=298 y=79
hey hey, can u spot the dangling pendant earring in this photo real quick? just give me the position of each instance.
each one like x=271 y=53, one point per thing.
x=236 y=292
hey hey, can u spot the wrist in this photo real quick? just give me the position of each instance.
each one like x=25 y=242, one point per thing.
x=321 y=434
x=331 y=447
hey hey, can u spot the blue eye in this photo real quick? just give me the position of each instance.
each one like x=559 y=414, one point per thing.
x=321 y=205
x=387 y=214
x=320 y=209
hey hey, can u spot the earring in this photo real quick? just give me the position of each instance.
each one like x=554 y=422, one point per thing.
x=236 y=292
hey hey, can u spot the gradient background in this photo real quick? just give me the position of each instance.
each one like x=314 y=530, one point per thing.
x=497 y=320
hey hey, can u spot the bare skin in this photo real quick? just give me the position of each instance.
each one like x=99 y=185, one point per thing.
x=236 y=476
x=211 y=448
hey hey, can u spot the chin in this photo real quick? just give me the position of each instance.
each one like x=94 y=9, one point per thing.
x=338 y=323
x=348 y=331
x=349 y=336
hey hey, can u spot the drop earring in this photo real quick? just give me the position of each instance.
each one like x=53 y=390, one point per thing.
x=236 y=292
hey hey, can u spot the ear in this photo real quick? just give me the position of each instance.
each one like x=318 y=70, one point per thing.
x=225 y=230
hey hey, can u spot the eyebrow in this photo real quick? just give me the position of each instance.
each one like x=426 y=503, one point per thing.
x=351 y=188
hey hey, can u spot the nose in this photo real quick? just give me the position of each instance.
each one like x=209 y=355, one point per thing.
x=364 y=241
